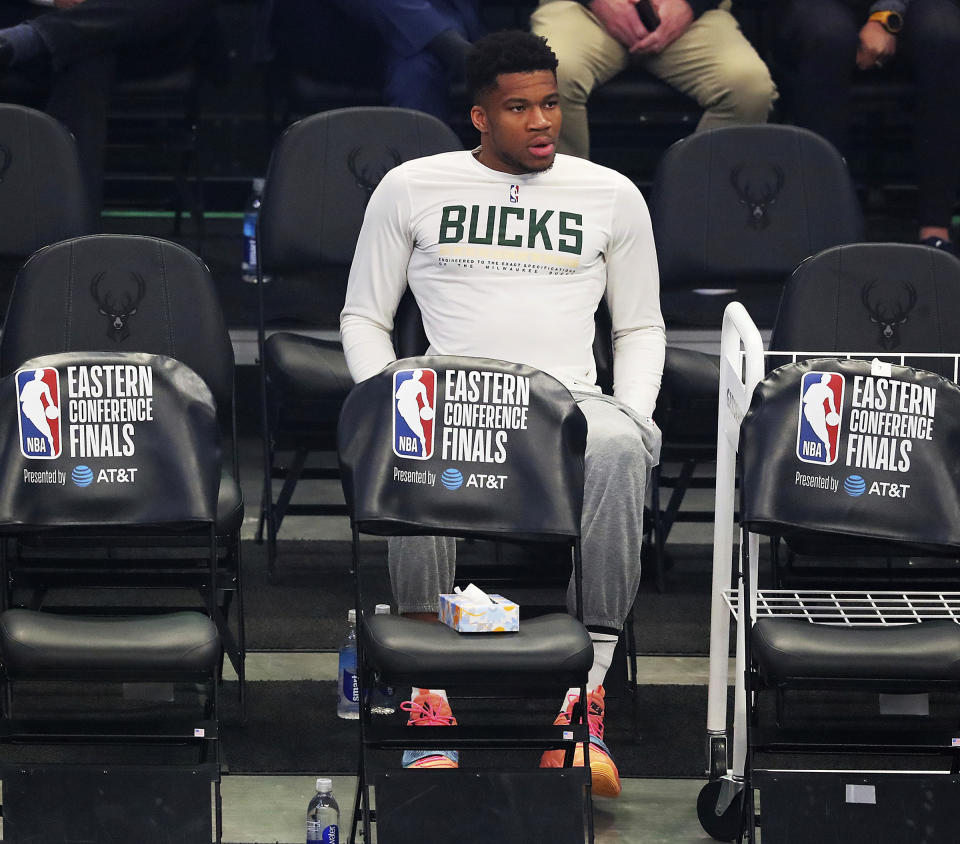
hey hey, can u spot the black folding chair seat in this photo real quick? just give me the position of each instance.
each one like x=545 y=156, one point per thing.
x=408 y=651
x=307 y=369
x=157 y=646
x=794 y=649
x=687 y=406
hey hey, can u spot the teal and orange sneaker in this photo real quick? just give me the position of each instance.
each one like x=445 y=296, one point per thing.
x=429 y=710
x=603 y=770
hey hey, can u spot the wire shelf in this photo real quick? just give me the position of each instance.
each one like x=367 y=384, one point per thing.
x=853 y=608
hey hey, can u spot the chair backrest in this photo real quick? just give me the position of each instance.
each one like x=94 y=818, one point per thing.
x=107 y=439
x=321 y=175
x=43 y=196
x=873 y=297
x=749 y=203
x=463 y=446
x=840 y=448
x=120 y=293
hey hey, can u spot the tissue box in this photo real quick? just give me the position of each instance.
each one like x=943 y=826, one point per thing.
x=468 y=615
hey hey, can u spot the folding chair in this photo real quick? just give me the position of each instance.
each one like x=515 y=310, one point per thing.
x=734 y=211
x=395 y=487
x=118 y=771
x=804 y=477
x=130 y=293
x=321 y=175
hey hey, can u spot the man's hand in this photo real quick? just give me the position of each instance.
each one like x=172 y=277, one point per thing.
x=620 y=19
x=66 y=4
x=877 y=46
x=675 y=17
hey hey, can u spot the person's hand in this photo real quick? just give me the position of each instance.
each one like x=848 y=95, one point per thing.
x=675 y=17
x=66 y=4
x=620 y=19
x=877 y=46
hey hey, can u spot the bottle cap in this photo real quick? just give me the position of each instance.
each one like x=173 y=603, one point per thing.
x=324 y=785
x=352 y=616
x=258 y=185
x=382 y=609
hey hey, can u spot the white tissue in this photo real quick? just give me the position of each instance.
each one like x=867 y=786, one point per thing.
x=475 y=594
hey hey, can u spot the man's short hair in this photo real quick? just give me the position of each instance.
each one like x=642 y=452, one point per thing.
x=509 y=51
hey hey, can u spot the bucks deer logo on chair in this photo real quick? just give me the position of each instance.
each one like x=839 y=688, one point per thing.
x=758 y=198
x=118 y=303
x=367 y=175
x=889 y=315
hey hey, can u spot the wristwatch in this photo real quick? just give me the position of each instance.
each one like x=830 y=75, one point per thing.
x=892 y=22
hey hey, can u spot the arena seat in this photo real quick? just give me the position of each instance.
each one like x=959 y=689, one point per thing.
x=69 y=678
x=541 y=501
x=878 y=640
x=321 y=175
x=734 y=211
x=132 y=293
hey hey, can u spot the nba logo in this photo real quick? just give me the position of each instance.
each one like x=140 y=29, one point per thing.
x=818 y=428
x=38 y=396
x=514 y=193
x=414 y=406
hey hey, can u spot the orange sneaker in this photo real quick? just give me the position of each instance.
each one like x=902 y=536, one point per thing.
x=603 y=770
x=429 y=710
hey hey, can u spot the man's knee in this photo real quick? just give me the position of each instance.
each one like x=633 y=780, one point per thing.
x=745 y=91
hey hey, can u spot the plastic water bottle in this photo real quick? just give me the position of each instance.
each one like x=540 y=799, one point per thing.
x=384 y=700
x=348 y=687
x=323 y=815
x=251 y=211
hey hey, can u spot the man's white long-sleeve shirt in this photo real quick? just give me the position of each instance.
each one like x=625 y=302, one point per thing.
x=510 y=267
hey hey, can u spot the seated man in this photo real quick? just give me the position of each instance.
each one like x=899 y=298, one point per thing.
x=697 y=48
x=820 y=43
x=73 y=50
x=508 y=250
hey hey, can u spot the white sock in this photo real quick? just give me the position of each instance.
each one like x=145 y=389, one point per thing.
x=604 y=645
x=416 y=692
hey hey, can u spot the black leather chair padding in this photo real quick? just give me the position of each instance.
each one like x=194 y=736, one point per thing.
x=793 y=648
x=340 y=155
x=229 y=504
x=778 y=499
x=56 y=306
x=540 y=498
x=301 y=368
x=749 y=203
x=873 y=297
x=180 y=643
x=42 y=190
x=176 y=454
x=546 y=649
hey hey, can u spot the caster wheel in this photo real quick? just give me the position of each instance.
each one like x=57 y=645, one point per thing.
x=725 y=827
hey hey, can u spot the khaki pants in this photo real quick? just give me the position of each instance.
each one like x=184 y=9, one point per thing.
x=712 y=63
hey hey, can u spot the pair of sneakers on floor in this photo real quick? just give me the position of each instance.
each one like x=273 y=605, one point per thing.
x=429 y=709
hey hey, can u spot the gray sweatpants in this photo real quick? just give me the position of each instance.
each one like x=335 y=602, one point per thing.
x=621 y=450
